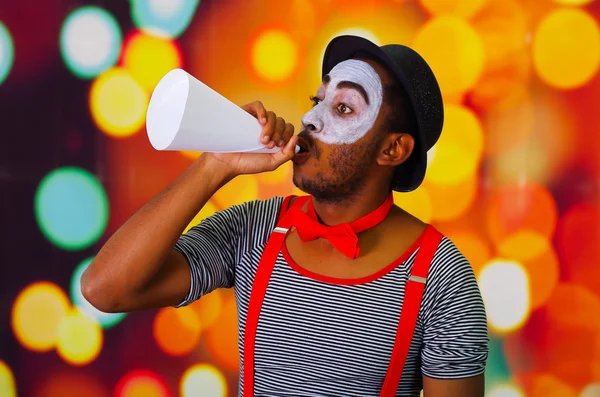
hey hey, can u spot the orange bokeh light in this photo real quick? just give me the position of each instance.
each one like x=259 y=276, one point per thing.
x=222 y=337
x=208 y=308
x=538 y=258
x=574 y=305
x=70 y=384
x=141 y=383
x=521 y=206
x=451 y=201
x=546 y=385
x=240 y=190
x=177 y=331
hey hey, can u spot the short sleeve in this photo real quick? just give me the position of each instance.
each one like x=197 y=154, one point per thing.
x=215 y=246
x=455 y=337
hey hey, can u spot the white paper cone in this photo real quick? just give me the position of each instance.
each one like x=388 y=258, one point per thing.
x=186 y=114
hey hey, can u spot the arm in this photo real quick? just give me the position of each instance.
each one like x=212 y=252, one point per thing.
x=455 y=339
x=138 y=267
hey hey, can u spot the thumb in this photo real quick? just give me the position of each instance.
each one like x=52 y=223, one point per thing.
x=286 y=153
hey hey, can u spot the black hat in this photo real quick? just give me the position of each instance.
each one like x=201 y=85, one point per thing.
x=421 y=86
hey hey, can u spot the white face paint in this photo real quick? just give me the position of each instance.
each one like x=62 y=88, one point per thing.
x=341 y=114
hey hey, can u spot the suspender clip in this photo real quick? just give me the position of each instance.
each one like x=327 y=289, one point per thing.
x=418 y=279
x=280 y=230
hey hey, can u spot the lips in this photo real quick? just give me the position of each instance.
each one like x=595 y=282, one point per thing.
x=304 y=153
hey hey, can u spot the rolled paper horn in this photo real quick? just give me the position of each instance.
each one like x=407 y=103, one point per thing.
x=186 y=114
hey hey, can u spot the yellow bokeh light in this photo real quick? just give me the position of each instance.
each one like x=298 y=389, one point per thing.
x=450 y=201
x=505 y=290
x=459 y=149
x=8 y=387
x=204 y=380
x=505 y=391
x=566 y=48
x=473 y=247
x=274 y=55
x=148 y=58
x=79 y=339
x=417 y=203
x=37 y=314
x=457 y=8
x=454 y=51
x=240 y=190
x=177 y=331
x=191 y=154
x=280 y=175
x=591 y=390
x=222 y=338
x=206 y=211
x=118 y=103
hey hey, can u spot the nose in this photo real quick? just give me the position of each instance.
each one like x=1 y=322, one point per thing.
x=312 y=121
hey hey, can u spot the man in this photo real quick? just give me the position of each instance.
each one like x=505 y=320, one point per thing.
x=377 y=303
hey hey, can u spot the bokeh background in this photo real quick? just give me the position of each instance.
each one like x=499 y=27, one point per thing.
x=514 y=179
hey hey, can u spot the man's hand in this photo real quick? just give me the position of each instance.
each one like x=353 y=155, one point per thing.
x=276 y=132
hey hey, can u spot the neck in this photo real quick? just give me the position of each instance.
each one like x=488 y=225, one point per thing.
x=355 y=207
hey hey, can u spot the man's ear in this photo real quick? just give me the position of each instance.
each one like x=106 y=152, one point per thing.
x=395 y=149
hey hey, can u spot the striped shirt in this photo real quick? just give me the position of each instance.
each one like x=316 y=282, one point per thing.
x=320 y=337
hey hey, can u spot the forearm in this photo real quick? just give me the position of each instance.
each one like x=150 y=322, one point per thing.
x=136 y=253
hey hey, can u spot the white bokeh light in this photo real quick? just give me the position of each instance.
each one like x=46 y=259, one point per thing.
x=505 y=391
x=166 y=8
x=505 y=289
x=203 y=380
x=90 y=41
x=591 y=390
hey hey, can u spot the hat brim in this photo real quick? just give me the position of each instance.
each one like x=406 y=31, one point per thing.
x=409 y=175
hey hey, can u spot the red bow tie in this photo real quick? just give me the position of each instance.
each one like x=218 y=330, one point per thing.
x=343 y=236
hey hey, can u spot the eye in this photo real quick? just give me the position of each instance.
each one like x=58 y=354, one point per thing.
x=344 y=109
x=315 y=100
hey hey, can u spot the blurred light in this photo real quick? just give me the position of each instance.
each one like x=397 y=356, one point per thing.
x=240 y=190
x=360 y=32
x=572 y=305
x=548 y=385
x=574 y=3
x=71 y=208
x=566 y=48
x=205 y=380
x=537 y=256
x=417 y=203
x=450 y=201
x=591 y=390
x=459 y=149
x=509 y=123
x=79 y=339
x=8 y=387
x=37 y=313
x=177 y=331
x=206 y=211
x=208 y=308
x=521 y=206
x=118 y=103
x=166 y=18
x=90 y=41
x=473 y=247
x=106 y=320
x=141 y=383
x=274 y=55
x=454 y=51
x=7 y=52
x=222 y=338
x=70 y=383
x=191 y=154
x=149 y=58
x=505 y=391
x=505 y=290
x=577 y=241
x=456 y=8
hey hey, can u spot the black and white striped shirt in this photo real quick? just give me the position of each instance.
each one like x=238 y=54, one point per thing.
x=327 y=337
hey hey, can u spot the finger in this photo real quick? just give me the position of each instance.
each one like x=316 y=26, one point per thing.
x=289 y=132
x=287 y=153
x=258 y=110
x=269 y=130
x=278 y=136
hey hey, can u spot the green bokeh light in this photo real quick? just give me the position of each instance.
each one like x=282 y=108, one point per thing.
x=106 y=320
x=71 y=208
x=7 y=52
x=163 y=18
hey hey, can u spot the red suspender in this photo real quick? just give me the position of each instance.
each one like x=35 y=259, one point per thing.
x=259 y=289
x=410 y=310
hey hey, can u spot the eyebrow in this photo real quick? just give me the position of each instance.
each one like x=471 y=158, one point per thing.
x=349 y=84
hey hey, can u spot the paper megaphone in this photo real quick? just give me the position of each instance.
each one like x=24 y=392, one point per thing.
x=186 y=114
